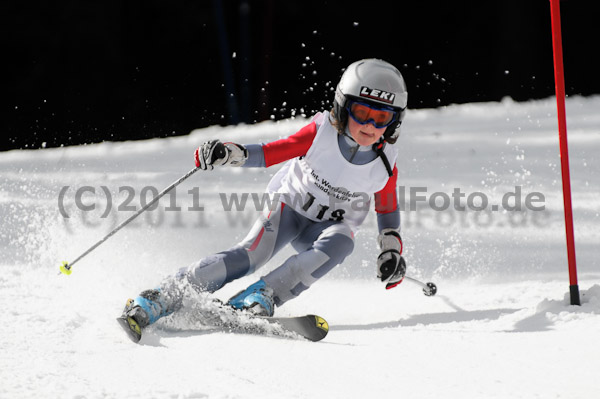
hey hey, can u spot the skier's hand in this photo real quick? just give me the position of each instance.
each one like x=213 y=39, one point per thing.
x=214 y=153
x=391 y=266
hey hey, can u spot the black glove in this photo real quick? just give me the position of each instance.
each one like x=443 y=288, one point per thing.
x=214 y=153
x=391 y=266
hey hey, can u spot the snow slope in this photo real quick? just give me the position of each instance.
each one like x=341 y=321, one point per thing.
x=500 y=327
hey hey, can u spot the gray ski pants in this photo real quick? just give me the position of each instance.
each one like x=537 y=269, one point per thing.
x=320 y=246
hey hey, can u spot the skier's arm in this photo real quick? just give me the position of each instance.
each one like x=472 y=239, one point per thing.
x=386 y=205
x=390 y=264
x=281 y=150
x=215 y=153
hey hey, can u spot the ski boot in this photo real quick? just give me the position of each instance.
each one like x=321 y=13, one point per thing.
x=142 y=311
x=257 y=299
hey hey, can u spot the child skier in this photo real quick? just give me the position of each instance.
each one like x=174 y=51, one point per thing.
x=334 y=165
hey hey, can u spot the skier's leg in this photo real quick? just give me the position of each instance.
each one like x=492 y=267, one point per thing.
x=272 y=231
x=258 y=297
x=269 y=234
x=322 y=246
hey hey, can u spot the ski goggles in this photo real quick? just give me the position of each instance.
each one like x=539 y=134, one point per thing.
x=364 y=113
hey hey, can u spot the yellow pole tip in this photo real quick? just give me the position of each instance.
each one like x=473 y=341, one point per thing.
x=65 y=268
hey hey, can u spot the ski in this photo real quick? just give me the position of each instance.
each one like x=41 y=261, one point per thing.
x=131 y=327
x=311 y=327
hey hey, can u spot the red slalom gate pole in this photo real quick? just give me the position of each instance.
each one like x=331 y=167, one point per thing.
x=559 y=80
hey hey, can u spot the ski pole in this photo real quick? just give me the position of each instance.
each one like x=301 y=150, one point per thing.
x=429 y=289
x=65 y=268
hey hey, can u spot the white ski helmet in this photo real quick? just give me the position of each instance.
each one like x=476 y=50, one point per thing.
x=375 y=82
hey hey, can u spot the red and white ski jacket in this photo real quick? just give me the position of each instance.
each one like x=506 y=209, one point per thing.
x=318 y=182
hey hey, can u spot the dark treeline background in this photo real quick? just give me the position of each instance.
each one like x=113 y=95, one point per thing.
x=87 y=71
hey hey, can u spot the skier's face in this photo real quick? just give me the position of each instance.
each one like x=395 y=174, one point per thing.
x=366 y=134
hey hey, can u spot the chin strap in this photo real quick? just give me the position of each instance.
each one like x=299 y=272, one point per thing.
x=378 y=148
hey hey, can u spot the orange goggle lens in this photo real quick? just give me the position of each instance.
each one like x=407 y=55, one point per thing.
x=363 y=114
